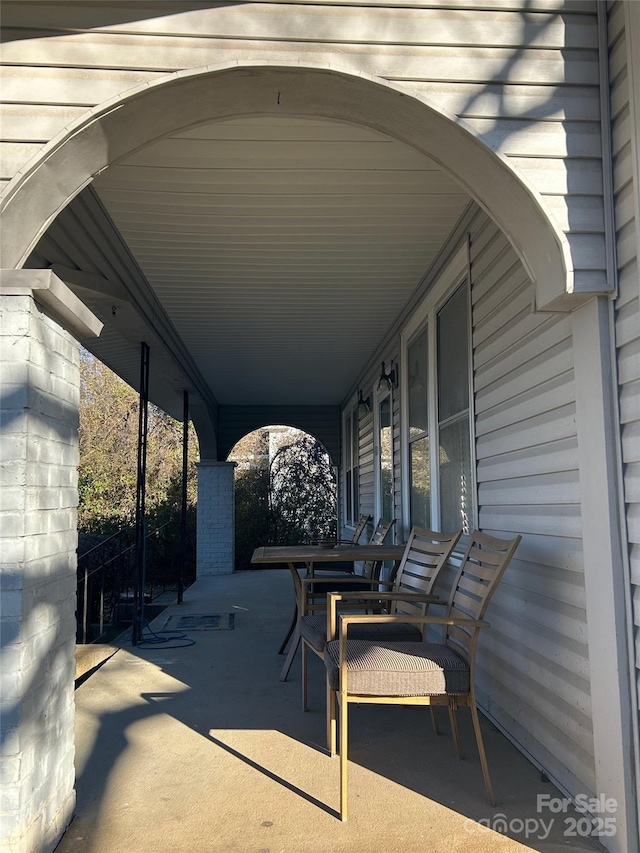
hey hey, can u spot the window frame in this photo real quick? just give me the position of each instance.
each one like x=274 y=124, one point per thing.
x=455 y=274
x=379 y=396
x=351 y=488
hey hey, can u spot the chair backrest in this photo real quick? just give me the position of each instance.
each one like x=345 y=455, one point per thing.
x=425 y=555
x=371 y=568
x=360 y=526
x=481 y=569
x=382 y=530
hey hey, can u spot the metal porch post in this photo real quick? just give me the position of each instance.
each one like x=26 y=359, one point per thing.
x=183 y=519
x=143 y=423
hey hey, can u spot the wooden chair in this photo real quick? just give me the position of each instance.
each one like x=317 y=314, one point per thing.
x=346 y=568
x=416 y=673
x=339 y=568
x=315 y=591
x=379 y=536
x=425 y=555
x=359 y=530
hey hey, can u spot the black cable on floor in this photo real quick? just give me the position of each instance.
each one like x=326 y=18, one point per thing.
x=156 y=639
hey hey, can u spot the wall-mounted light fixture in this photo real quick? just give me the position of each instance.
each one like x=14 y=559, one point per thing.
x=390 y=378
x=365 y=402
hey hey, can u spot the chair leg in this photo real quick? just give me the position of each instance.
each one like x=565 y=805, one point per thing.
x=331 y=720
x=343 y=757
x=304 y=675
x=481 y=752
x=434 y=719
x=453 y=720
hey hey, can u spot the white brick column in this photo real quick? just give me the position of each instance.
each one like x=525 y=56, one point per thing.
x=216 y=518
x=39 y=385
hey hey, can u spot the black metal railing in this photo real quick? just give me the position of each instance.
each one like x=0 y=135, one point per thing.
x=106 y=578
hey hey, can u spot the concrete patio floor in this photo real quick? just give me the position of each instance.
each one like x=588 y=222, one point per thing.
x=202 y=749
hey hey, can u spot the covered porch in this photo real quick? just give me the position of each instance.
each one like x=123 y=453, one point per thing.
x=203 y=749
x=283 y=238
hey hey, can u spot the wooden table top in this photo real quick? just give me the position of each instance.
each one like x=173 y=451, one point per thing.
x=316 y=554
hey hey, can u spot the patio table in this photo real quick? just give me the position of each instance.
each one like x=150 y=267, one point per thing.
x=291 y=555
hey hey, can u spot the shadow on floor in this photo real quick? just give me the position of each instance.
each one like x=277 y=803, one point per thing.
x=204 y=749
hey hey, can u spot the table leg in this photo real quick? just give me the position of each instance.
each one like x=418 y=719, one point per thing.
x=295 y=639
x=294 y=619
x=293 y=648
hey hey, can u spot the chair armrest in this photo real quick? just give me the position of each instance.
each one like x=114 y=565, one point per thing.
x=333 y=598
x=307 y=582
x=386 y=596
x=308 y=596
x=346 y=620
x=316 y=568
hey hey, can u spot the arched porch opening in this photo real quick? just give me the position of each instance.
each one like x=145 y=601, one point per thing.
x=285 y=490
x=185 y=99
x=116 y=130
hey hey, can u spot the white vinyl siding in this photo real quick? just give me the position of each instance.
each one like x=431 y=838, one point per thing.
x=523 y=76
x=627 y=310
x=367 y=477
x=533 y=668
x=533 y=665
x=367 y=482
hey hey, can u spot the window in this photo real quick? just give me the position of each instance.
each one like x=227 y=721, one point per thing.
x=439 y=426
x=384 y=506
x=351 y=467
x=419 y=457
x=454 y=426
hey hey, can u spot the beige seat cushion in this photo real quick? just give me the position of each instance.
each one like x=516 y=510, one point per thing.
x=398 y=668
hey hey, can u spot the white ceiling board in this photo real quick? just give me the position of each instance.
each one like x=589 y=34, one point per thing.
x=282 y=250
